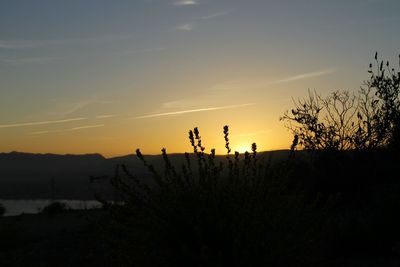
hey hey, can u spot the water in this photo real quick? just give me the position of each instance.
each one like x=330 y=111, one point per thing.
x=17 y=207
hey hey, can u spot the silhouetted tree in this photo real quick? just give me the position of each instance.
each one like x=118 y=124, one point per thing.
x=323 y=123
x=343 y=120
x=385 y=84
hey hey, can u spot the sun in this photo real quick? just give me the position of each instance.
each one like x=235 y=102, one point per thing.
x=242 y=148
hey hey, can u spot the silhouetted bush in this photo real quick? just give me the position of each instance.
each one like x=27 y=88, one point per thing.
x=242 y=210
x=2 y=210
x=55 y=208
x=385 y=83
x=343 y=121
x=212 y=211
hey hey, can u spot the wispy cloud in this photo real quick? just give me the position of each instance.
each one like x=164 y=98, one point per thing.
x=185 y=27
x=84 y=127
x=18 y=44
x=193 y=111
x=104 y=116
x=305 y=76
x=29 y=60
x=229 y=85
x=144 y=50
x=74 y=107
x=208 y=99
x=185 y=2
x=3 y=45
x=190 y=25
x=376 y=1
x=13 y=125
x=248 y=83
x=218 y=14
x=41 y=132
x=23 y=43
x=181 y=103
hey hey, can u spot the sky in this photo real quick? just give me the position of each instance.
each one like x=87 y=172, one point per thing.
x=99 y=76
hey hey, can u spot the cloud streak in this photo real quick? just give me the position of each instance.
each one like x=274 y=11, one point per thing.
x=305 y=76
x=185 y=27
x=24 y=44
x=104 y=116
x=40 y=123
x=247 y=84
x=29 y=60
x=86 y=127
x=193 y=111
x=185 y=3
x=69 y=130
x=19 y=44
x=144 y=50
x=218 y=14
x=77 y=106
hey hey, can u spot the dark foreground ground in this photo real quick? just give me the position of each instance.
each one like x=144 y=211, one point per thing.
x=331 y=210
x=66 y=239
x=75 y=239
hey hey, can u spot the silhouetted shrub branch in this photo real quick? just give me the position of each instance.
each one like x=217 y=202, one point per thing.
x=218 y=211
x=344 y=121
x=240 y=210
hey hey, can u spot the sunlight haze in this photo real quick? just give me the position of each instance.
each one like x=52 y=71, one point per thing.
x=112 y=76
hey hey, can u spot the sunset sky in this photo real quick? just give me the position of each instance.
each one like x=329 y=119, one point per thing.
x=111 y=76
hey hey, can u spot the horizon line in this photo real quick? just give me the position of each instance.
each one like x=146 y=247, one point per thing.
x=131 y=154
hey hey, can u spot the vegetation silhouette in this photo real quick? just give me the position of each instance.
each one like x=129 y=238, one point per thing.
x=368 y=120
x=209 y=212
x=2 y=210
x=55 y=208
x=241 y=210
x=333 y=200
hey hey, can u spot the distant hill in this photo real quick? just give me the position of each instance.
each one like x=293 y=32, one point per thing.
x=26 y=175
x=43 y=176
x=52 y=161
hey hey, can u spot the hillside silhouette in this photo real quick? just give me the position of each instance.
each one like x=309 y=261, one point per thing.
x=29 y=175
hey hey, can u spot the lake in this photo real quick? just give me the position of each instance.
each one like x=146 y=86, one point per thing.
x=17 y=207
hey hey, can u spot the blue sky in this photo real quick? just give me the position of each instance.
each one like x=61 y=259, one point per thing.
x=91 y=76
